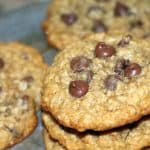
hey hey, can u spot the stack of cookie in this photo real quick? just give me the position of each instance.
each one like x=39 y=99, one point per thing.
x=97 y=92
x=21 y=78
x=95 y=89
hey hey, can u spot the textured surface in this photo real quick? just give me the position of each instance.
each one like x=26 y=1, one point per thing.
x=17 y=116
x=25 y=67
x=132 y=137
x=22 y=71
x=99 y=108
x=95 y=16
x=51 y=144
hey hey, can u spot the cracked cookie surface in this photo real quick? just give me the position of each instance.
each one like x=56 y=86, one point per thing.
x=131 y=137
x=99 y=83
x=69 y=20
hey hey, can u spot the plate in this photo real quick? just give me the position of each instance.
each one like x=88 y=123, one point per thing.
x=24 y=25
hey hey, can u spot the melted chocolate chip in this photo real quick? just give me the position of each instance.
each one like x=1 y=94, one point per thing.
x=28 y=78
x=1 y=63
x=78 y=88
x=146 y=148
x=132 y=70
x=124 y=41
x=69 y=18
x=121 y=65
x=110 y=82
x=79 y=63
x=136 y=24
x=90 y=75
x=103 y=50
x=121 y=9
x=99 y=26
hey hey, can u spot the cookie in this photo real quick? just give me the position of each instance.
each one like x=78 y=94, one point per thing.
x=68 y=20
x=99 y=83
x=21 y=79
x=132 y=137
x=17 y=114
x=25 y=67
x=50 y=144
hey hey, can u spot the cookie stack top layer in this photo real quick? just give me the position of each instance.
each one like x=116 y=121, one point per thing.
x=68 y=20
x=100 y=83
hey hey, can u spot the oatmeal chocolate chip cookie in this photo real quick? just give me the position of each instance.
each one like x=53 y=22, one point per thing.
x=112 y=88
x=68 y=20
x=51 y=144
x=25 y=67
x=17 y=114
x=131 y=137
x=21 y=74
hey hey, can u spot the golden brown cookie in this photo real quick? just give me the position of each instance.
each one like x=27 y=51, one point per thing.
x=17 y=114
x=25 y=67
x=131 y=137
x=21 y=79
x=50 y=144
x=99 y=83
x=68 y=20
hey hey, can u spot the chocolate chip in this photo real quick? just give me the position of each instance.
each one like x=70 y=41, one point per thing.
x=103 y=50
x=146 y=148
x=78 y=88
x=110 y=82
x=79 y=63
x=125 y=41
x=132 y=70
x=99 y=26
x=69 y=18
x=121 y=65
x=1 y=63
x=90 y=75
x=121 y=9
x=136 y=24
x=28 y=78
